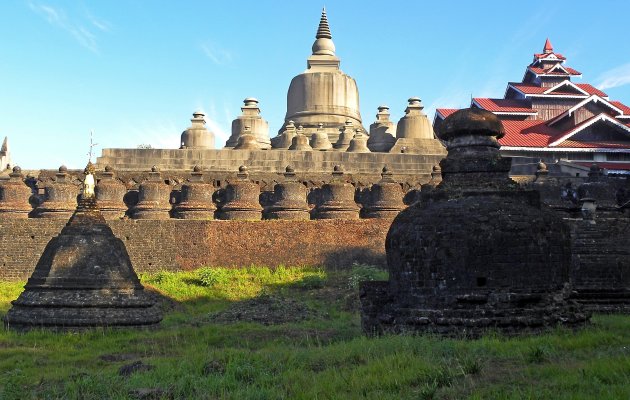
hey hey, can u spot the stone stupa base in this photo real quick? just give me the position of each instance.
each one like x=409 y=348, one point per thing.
x=467 y=314
x=606 y=301
x=75 y=310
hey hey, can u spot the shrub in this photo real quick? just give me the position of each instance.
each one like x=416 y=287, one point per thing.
x=365 y=272
x=312 y=282
x=213 y=276
x=161 y=277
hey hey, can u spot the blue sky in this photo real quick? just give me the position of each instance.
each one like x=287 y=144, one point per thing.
x=134 y=71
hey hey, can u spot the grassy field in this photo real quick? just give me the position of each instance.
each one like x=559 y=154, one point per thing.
x=262 y=333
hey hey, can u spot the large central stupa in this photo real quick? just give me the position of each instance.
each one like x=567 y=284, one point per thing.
x=322 y=128
x=323 y=94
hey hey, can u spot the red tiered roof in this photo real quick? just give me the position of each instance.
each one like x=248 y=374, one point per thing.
x=529 y=133
x=536 y=133
x=547 y=51
x=566 y=95
x=622 y=107
x=445 y=112
x=591 y=89
x=548 y=71
x=528 y=88
x=591 y=145
x=505 y=105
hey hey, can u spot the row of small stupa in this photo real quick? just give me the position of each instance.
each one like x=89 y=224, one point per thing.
x=201 y=200
x=251 y=132
x=474 y=253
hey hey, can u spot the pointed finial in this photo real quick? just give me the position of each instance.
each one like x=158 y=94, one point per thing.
x=548 y=47
x=323 y=30
x=5 y=145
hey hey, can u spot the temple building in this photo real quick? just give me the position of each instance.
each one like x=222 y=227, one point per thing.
x=549 y=117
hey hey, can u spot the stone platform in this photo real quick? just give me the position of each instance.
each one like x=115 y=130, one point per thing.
x=271 y=161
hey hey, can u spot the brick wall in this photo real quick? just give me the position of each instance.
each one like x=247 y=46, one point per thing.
x=600 y=253
x=188 y=244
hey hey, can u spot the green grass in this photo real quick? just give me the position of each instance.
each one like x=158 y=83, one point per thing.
x=324 y=356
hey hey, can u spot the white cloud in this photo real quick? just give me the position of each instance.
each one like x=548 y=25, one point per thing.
x=615 y=77
x=220 y=135
x=100 y=24
x=216 y=54
x=57 y=17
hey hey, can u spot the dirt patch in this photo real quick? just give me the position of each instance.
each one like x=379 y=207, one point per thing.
x=266 y=310
x=117 y=357
x=138 y=366
x=147 y=393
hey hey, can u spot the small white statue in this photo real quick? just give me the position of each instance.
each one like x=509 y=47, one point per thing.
x=89 y=182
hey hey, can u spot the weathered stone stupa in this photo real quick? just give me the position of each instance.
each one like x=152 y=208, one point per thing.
x=197 y=136
x=289 y=199
x=250 y=118
x=196 y=201
x=14 y=195
x=382 y=131
x=60 y=197
x=153 y=198
x=83 y=279
x=476 y=252
x=414 y=133
x=385 y=198
x=323 y=93
x=337 y=200
x=109 y=194
x=241 y=199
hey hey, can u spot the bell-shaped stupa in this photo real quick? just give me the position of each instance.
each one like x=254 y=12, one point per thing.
x=323 y=93
x=84 y=278
x=197 y=136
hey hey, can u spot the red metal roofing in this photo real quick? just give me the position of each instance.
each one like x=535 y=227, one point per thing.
x=621 y=106
x=505 y=105
x=534 y=89
x=528 y=88
x=445 y=112
x=591 y=89
x=547 y=71
x=544 y=55
x=529 y=133
x=592 y=145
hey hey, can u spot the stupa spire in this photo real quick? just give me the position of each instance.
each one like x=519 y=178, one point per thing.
x=5 y=145
x=548 y=47
x=323 y=30
x=323 y=45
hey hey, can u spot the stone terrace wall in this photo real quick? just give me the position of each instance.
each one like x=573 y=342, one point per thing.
x=600 y=253
x=187 y=244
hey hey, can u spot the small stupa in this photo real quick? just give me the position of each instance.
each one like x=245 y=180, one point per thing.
x=84 y=278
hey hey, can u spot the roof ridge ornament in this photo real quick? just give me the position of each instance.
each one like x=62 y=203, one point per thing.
x=548 y=49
